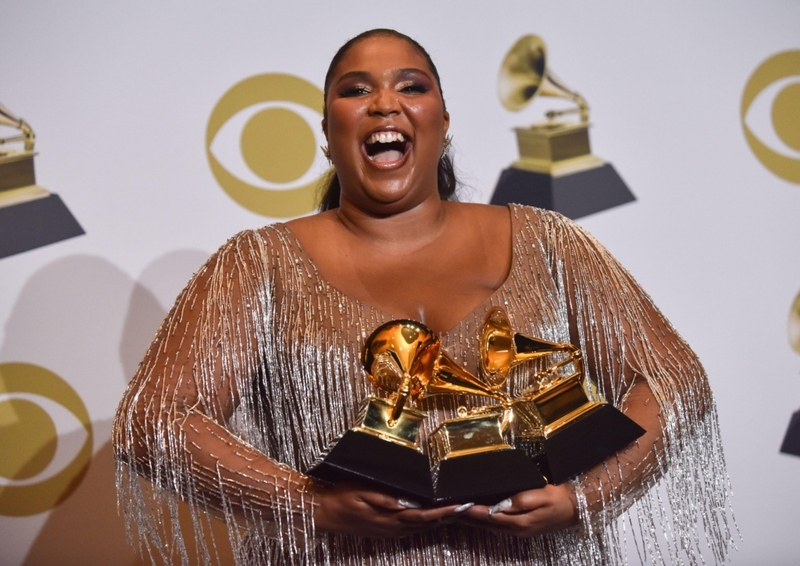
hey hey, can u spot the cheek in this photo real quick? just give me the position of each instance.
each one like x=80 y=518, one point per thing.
x=429 y=116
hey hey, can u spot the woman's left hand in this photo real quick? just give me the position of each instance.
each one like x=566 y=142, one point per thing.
x=528 y=513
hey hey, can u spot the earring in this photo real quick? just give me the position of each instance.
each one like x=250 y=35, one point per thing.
x=326 y=152
x=448 y=139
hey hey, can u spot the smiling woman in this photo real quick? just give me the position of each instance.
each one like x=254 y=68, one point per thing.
x=256 y=371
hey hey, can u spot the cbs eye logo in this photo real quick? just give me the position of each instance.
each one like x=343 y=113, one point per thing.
x=37 y=407
x=793 y=326
x=770 y=114
x=262 y=148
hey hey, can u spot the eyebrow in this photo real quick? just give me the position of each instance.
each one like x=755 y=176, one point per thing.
x=401 y=73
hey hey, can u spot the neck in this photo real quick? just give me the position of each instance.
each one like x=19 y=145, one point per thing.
x=408 y=229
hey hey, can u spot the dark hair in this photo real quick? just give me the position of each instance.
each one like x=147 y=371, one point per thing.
x=446 y=177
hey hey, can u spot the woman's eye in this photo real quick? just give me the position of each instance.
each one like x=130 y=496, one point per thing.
x=357 y=90
x=416 y=88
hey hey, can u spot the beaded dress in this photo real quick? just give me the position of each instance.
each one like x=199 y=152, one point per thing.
x=256 y=371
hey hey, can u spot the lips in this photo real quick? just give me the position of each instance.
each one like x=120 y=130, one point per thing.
x=386 y=148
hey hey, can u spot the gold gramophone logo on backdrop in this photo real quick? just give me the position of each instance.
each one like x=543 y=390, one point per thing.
x=37 y=472
x=262 y=143
x=770 y=114
x=791 y=441
x=556 y=169
x=30 y=215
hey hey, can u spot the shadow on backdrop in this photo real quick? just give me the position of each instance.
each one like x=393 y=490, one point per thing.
x=72 y=316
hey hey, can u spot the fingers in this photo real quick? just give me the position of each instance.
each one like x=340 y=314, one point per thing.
x=431 y=515
x=355 y=509
x=528 y=513
x=383 y=501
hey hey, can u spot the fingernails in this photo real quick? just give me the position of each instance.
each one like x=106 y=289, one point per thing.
x=462 y=508
x=500 y=507
x=408 y=504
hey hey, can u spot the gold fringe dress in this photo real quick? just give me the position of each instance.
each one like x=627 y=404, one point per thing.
x=256 y=371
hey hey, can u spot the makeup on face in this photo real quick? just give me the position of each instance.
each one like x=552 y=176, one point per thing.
x=385 y=119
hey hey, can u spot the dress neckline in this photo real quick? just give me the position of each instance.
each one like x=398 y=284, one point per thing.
x=390 y=316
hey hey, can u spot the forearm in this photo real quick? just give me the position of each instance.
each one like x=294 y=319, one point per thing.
x=195 y=456
x=233 y=474
x=611 y=486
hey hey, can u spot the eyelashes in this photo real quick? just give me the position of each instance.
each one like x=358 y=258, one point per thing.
x=352 y=91
x=414 y=87
x=406 y=87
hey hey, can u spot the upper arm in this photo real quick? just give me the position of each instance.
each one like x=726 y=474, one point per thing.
x=205 y=350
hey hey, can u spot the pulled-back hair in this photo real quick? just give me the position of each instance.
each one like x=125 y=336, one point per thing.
x=446 y=177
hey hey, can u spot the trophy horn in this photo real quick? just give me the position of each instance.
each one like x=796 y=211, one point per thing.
x=7 y=118
x=502 y=349
x=395 y=357
x=449 y=378
x=524 y=75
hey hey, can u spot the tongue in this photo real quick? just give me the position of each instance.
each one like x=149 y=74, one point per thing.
x=388 y=155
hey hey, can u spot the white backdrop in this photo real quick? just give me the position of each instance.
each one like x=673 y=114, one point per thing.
x=120 y=97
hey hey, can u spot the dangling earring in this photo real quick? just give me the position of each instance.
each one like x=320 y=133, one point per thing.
x=448 y=139
x=326 y=152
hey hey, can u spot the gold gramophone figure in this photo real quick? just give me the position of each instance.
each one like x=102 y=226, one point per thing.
x=561 y=421
x=383 y=449
x=395 y=358
x=17 y=178
x=473 y=431
x=469 y=455
x=556 y=169
x=30 y=215
x=553 y=146
x=472 y=461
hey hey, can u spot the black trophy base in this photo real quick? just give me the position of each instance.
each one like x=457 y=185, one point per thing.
x=573 y=195
x=35 y=223
x=583 y=443
x=791 y=442
x=362 y=457
x=486 y=478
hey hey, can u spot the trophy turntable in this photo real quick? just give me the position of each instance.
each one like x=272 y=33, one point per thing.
x=562 y=422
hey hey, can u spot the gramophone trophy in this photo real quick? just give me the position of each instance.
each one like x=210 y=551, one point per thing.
x=561 y=422
x=470 y=458
x=383 y=448
x=30 y=215
x=556 y=169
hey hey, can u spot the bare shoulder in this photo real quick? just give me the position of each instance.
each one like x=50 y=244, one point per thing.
x=488 y=217
x=313 y=227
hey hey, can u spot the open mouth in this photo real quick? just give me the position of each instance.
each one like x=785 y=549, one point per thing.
x=387 y=146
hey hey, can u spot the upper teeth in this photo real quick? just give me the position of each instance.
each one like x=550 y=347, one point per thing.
x=386 y=137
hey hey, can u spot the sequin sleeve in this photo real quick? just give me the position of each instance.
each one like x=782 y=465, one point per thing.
x=673 y=479
x=180 y=422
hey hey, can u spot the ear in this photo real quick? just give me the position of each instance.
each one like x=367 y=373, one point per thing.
x=446 y=121
x=325 y=127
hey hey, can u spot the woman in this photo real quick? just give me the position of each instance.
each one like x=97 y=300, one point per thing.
x=256 y=370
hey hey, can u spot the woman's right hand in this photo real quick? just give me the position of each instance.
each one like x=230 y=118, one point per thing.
x=356 y=510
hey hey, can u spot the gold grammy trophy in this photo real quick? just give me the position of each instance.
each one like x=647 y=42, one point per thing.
x=17 y=179
x=30 y=215
x=470 y=457
x=383 y=449
x=562 y=422
x=556 y=169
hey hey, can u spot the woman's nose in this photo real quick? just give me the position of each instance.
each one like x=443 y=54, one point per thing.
x=384 y=102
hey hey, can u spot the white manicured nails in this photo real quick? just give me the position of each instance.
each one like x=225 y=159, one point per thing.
x=462 y=508
x=500 y=507
x=408 y=504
